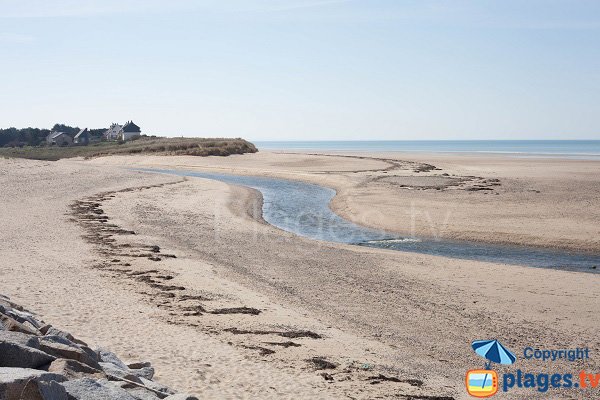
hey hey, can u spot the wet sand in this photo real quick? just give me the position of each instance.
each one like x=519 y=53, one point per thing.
x=496 y=199
x=244 y=310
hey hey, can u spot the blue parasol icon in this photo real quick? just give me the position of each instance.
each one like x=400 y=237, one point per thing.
x=493 y=351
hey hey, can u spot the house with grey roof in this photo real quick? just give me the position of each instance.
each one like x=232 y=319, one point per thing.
x=49 y=137
x=123 y=132
x=129 y=131
x=82 y=138
x=59 y=139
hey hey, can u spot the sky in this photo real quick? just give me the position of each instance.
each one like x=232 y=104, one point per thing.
x=305 y=69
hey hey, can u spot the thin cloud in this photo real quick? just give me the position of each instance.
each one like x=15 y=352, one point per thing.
x=294 y=5
x=82 y=8
x=461 y=13
x=15 y=38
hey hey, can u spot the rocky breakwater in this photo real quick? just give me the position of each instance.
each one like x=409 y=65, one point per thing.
x=41 y=362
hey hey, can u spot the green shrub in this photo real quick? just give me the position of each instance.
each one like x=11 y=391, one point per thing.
x=144 y=145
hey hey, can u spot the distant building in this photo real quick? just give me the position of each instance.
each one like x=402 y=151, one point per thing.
x=83 y=137
x=49 y=137
x=113 y=132
x=129 y=131
x=123 y=132
x=59 y=139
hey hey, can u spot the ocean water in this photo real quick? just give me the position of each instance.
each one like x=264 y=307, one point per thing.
x=580 y=149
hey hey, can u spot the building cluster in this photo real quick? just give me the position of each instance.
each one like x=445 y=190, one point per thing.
x=122 y=132
x=116 y=132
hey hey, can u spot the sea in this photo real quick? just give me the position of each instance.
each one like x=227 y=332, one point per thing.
x=577 y=149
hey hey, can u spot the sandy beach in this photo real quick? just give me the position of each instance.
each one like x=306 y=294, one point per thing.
x=227 y=306
x=494 y=198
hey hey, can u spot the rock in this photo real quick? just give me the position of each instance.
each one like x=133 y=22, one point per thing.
x=45 y=328
x=49 y=330
x=13 y=355
x=138 y=365
x=40 y=362
x=29 y=325
x=14 y=306
x=157 y=386
x=61 y=347
x=74 y=369
x=82 y=343
x=115 y=373
x=181 y=396
x=143 y=394
x=21 y=350
x=51 y=390
x=139 y=392
x=110 y=357
x=145 y=372
x=52 y=331
x=10 y=324
x=20 y=338
x=89 y=389
x=76 y=343
x=52 y=339
x=24 y=317
x=25 y=383
x=8 y=304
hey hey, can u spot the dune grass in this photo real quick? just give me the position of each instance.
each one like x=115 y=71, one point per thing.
x=160 y=146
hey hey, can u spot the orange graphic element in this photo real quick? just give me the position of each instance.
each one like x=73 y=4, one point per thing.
x=481 y=383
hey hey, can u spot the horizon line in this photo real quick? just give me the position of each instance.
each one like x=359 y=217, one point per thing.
x=427 y=140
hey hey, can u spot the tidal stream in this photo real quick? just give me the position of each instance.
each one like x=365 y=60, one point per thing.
x=303 y=209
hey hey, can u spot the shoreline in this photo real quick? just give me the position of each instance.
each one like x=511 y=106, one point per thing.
x=586 y=262
x=441 y=214
x=516 y=148
x=425 y=153
x=248 y=278
x=405 y=316
x=191 y=307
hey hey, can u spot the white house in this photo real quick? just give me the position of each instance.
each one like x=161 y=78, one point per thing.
x=123 y=132
x=129 y=131
x=113 y=132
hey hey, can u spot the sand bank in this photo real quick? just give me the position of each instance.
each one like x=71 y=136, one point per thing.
x=406 y=316
x=496 y=199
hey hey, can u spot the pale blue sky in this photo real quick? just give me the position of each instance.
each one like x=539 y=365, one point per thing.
x=305 y=69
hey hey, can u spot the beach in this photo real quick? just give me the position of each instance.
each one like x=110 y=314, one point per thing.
x=228 y=306
x=498 y=199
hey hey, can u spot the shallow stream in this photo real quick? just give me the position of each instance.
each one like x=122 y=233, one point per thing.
x=303 y=209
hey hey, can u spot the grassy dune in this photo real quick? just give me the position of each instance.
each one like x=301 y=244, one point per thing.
x=160 y=146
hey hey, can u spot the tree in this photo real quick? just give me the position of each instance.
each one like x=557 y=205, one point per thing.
x=13 y=137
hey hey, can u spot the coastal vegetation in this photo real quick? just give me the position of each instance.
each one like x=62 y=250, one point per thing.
x=30 y=143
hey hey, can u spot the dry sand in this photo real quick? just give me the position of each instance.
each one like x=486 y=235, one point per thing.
x=402 y=315
x=543 y=202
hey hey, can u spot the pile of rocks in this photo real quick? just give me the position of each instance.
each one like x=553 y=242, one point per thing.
x=40 y=362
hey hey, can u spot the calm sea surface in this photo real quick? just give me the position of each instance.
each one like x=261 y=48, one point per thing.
x=583 y=149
